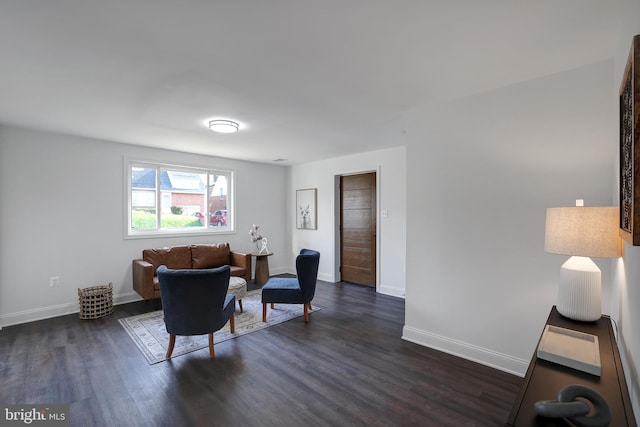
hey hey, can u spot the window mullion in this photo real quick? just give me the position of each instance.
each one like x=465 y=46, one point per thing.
x=158 y=199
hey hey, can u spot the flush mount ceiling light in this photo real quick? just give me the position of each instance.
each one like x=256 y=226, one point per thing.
x=223 y=126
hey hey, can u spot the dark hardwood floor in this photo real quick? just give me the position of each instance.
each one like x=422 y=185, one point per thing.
x=347 y=367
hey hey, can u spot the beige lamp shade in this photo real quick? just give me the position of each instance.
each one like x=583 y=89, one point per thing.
x=583 y=231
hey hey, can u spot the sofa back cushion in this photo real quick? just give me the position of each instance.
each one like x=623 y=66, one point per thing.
x=210 y=256
x=174 y=257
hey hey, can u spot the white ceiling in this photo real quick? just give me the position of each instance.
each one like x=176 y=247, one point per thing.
x=305 y=79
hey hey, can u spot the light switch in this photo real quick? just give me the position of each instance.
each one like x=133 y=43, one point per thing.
x=385 y=213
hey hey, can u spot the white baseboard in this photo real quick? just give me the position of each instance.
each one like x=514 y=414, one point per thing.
x=277 y=271
x=393 y=292
x=326 y=278
x=48 y=312
x=467 y=351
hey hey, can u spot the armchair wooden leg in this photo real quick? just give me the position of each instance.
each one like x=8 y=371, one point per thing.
x=264 y=312
x=240 y=304
x=212 y=353
x=232 y=324
x=272 y=306
x=172 y=343
x=306 y=312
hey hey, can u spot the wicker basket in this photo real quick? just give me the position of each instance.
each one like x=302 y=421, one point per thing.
x=96 y=301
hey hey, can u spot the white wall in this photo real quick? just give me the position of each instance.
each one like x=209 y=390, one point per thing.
x=626 y=276
x=481 y=172
x=62 y=214
x=389 y=165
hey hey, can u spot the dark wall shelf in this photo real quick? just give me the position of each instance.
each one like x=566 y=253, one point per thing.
x=545 y=379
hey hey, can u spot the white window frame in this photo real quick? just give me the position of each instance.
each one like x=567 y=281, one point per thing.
x=187 y=231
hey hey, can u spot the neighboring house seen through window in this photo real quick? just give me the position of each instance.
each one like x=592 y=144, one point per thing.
x=170 y=199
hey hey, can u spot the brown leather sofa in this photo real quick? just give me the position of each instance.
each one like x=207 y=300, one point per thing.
x=145 y=280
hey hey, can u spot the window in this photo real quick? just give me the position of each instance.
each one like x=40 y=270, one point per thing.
x=171 y=199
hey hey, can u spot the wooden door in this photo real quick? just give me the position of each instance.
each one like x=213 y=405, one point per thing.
x=358 y=228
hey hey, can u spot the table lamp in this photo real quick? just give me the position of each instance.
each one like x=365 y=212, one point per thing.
x=582 y=232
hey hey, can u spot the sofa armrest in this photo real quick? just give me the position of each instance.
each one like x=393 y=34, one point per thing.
x=143 y=279
x=240 y=259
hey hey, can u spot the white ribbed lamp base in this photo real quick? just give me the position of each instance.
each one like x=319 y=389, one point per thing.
x=579 y=291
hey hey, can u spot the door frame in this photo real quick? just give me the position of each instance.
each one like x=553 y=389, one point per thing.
x=336 y=213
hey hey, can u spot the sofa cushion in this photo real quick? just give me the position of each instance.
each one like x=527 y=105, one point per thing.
x=210 y=256
x=174 y=257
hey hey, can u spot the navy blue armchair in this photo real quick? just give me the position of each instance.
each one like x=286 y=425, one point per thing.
x=298 y=290
x=195 y=302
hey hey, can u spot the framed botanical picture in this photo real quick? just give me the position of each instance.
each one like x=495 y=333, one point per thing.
x=306 y=209
x=630 y=147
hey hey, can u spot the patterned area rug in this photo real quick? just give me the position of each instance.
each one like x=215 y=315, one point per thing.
x=148 y=331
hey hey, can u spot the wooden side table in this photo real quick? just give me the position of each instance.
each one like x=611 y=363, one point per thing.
x=545 y=379
x=262 y=268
